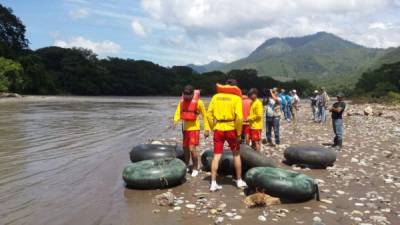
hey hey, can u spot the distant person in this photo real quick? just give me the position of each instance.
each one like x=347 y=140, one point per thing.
x=272 y=116
x=323 y=101
x=313 y=105
x=289 y=100
x=337 y=120
x=295 y=105
x=246 y=103
x=282 y=96
x=255 y=119
x=188 y=110
x=225 y=116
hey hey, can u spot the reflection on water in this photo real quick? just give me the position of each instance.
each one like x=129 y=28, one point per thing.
x=64 y=155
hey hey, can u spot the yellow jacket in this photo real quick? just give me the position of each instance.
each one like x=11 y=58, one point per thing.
x=192 y=125
x=256 y=115
x=225 y=113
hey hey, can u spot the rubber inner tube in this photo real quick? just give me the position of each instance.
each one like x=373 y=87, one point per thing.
x=226 y=166
x=311 y=156
x=154 y=173
x=282 y=183
x=252 y=158
x=155 y=151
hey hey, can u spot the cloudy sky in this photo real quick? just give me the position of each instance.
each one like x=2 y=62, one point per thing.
x=172 y=32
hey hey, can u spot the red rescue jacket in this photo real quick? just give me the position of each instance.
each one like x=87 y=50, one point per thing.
x=189 y=108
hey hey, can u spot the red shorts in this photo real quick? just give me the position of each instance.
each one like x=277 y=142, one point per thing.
x=255 y=135
x=191 y=138
x=246 y=129
x=221 y=136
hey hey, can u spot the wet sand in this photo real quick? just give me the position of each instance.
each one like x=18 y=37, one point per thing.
x=61 y=161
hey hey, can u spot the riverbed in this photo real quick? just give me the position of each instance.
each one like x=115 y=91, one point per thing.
x=61 y=160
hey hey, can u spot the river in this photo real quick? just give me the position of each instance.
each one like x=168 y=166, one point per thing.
x=61 y=157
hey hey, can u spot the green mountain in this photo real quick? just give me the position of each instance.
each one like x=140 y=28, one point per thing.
x=312 y=57
x=212 y=66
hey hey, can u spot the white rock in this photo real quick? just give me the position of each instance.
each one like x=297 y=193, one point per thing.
x=317 y=219
x=331 y=212
x=219 y=220
x=190 y=206
x=237 y=217
x=262 y=218
x=177 y=208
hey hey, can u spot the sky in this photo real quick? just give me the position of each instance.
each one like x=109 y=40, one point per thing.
x=179 y=32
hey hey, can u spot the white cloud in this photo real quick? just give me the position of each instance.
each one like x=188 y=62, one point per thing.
x=79 y=13
x=230 y=29
x=102 y=48
x=138 y=28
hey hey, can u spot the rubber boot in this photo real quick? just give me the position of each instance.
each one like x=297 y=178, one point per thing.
x=335 y=142
x=339 y=145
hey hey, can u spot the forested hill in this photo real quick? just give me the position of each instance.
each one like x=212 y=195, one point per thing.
x=54 y=70
x=313 y=57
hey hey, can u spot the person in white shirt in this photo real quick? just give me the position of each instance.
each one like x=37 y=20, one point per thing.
x=295 y=105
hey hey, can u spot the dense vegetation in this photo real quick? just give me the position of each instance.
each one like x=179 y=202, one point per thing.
x=380 y=84
x=54 y=70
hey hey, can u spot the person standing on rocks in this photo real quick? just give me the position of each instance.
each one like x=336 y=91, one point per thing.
x=295 y=105
x=272 y=116
x=314 y=107
x=288 y=111
x=337 y=120
x=188 y=110
x=225 y=117
x=255 y=119
x=282 y=97
x=323 y=101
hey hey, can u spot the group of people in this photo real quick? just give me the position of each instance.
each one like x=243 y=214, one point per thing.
x=237 y=116
x=319 y=105
x=289 y=104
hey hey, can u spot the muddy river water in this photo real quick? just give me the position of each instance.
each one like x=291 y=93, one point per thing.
x=61 y=160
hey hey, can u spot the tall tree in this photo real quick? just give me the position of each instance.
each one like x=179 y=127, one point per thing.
x=12 y=31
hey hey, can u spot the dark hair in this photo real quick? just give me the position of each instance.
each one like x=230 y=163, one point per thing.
x=252 y=91
x=232 y=82
x=244 y=91
x=188 y=90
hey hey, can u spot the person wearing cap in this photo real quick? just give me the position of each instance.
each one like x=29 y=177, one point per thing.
x=188 y=110
x=225 y=116
x=272 y=116
x=323 y=101
x=337 y=110
x=314 y=107
x=295 y=105
x=255 y=119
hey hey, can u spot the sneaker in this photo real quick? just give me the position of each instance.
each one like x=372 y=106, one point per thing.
x=215 y=187
x=241 y=184
x=195 y=173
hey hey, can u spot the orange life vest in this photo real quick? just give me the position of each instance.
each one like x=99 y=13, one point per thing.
x=189 y=108
x=228 y=89
x=246 y=103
